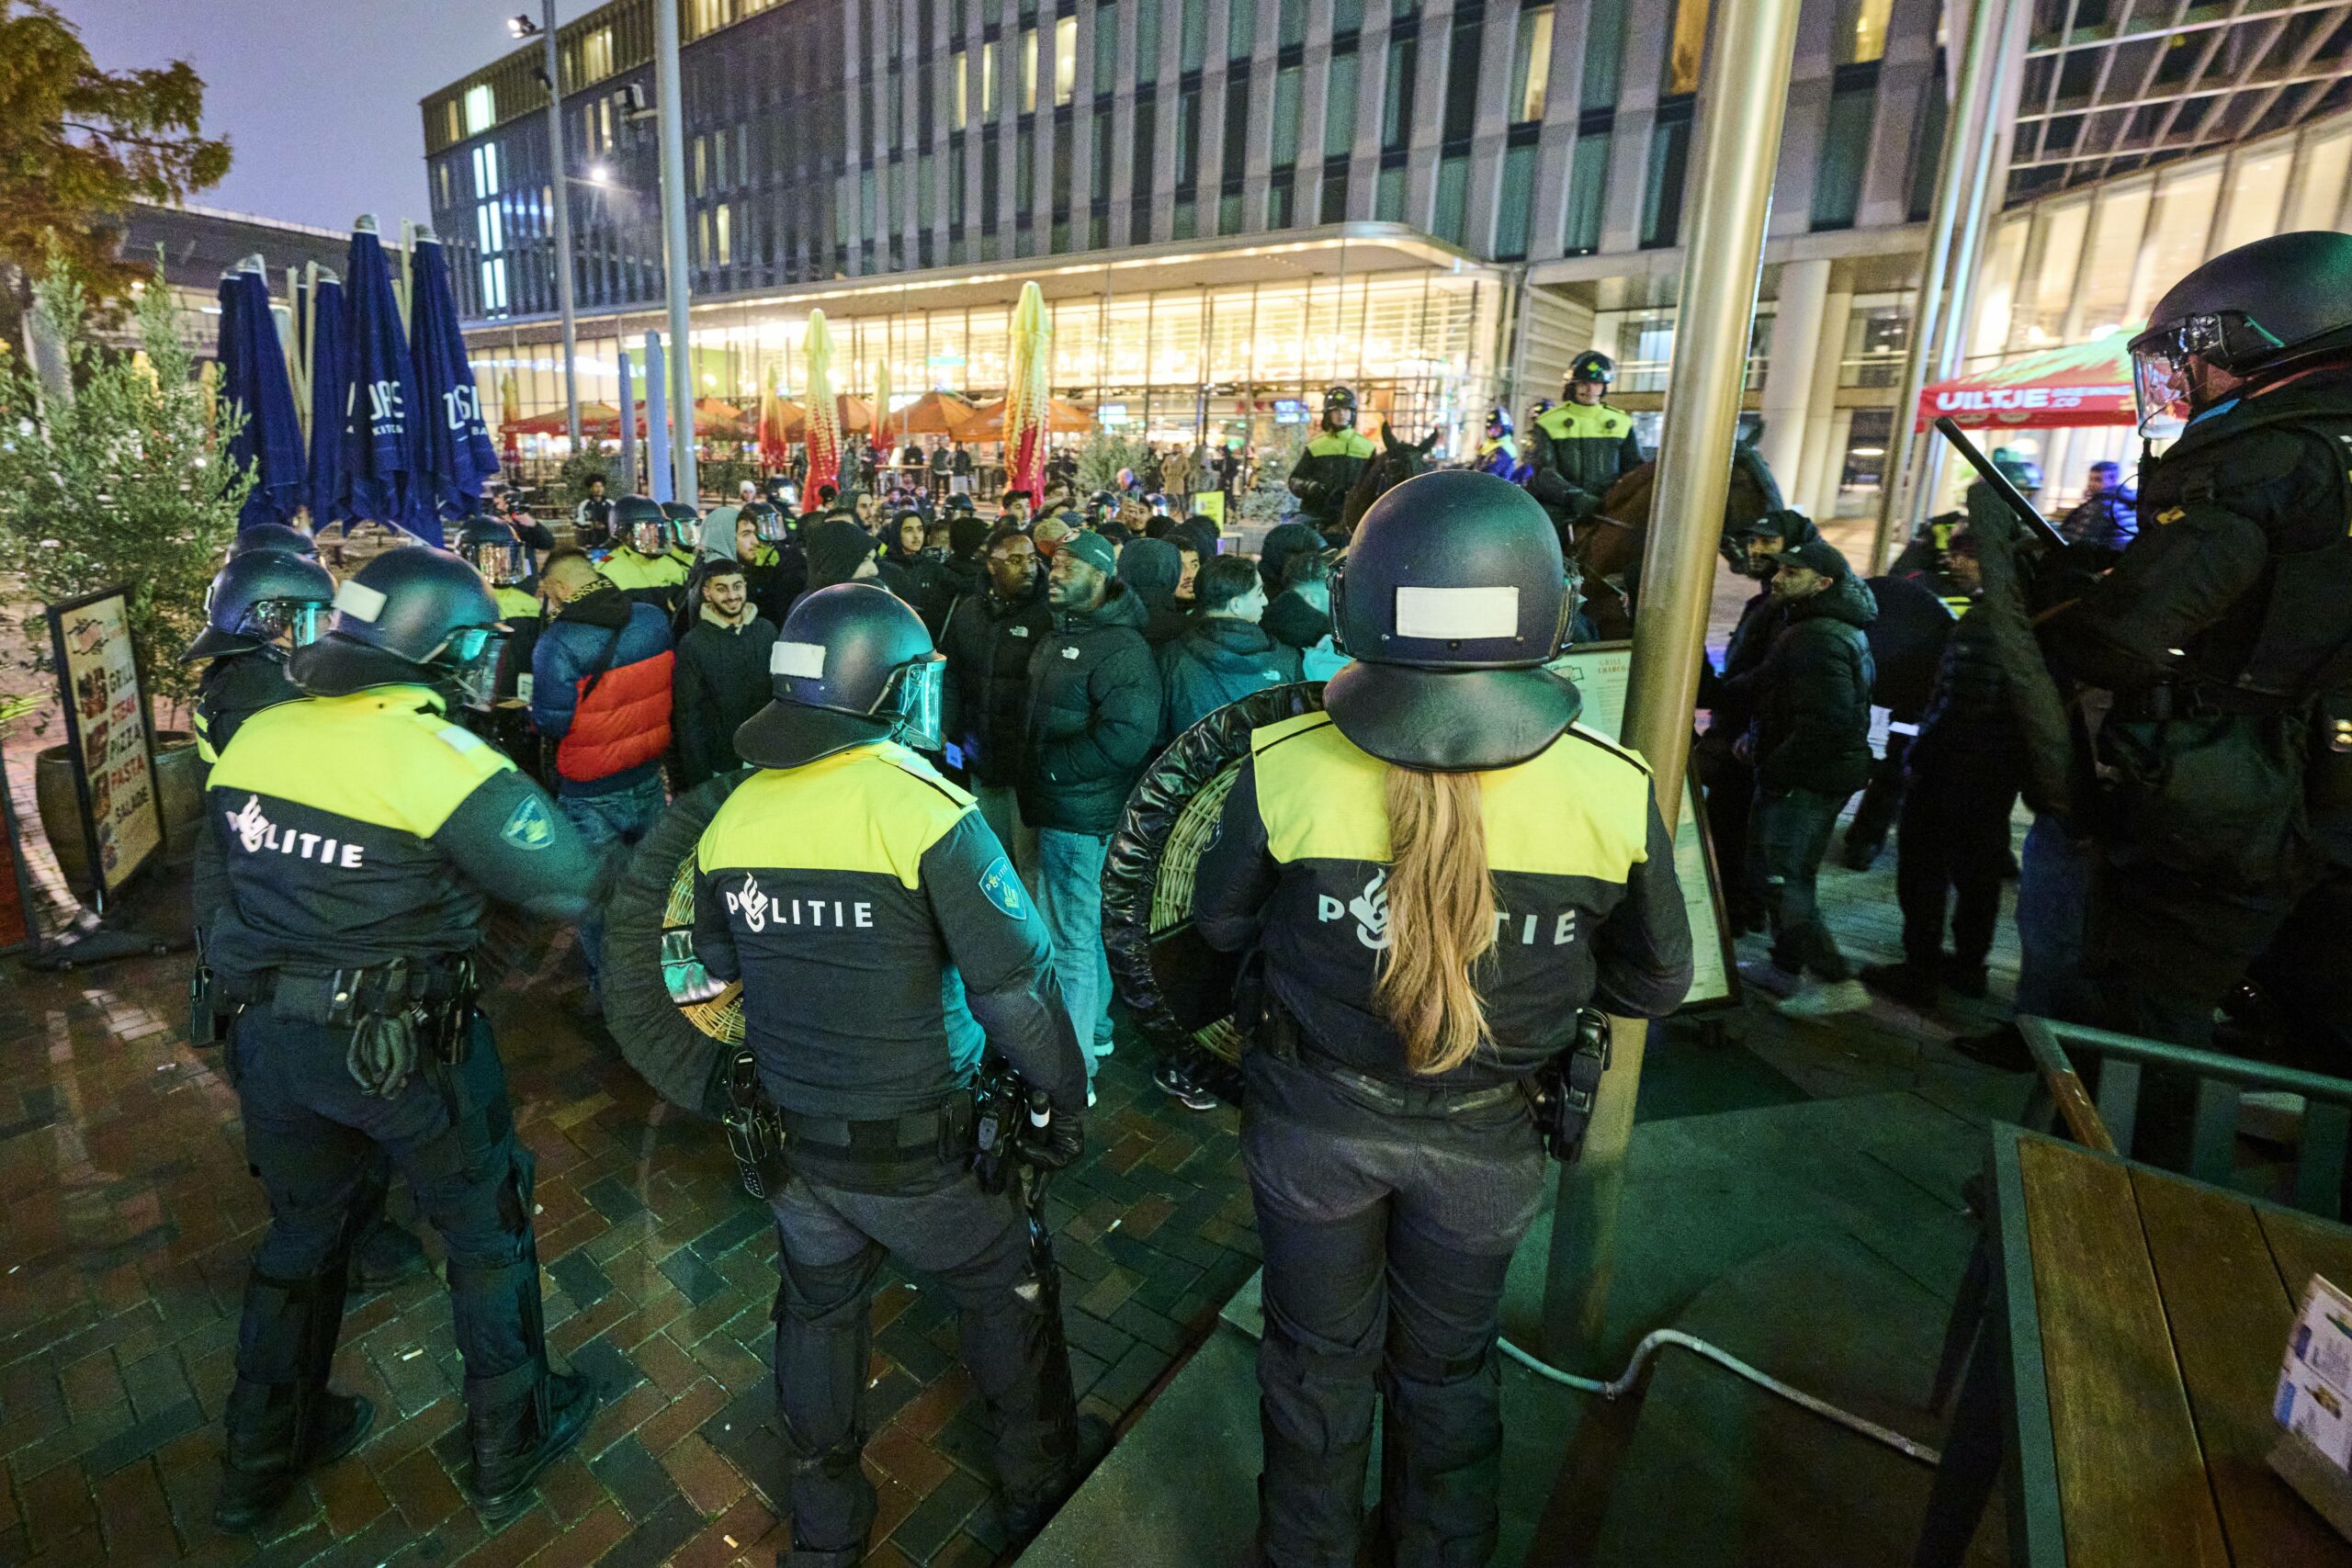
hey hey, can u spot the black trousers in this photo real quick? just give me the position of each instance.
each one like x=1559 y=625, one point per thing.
x=1730 y=783
x=1954 y=844
x=1387 y=1235
x=319 y=1145
x=977 y=1246
x=1882 y=798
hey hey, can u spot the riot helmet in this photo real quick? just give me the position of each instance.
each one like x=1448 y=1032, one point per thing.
x=1592 y=365
x=1498 y=421
x=684 y=525
x=1452 y=597
x=2259 y=309
x=770 y=524
x=281 y=537
x=491 y=547
x=640 y=525
x=1338 y=402
x=784 y=494
x=413 y=614
x=260 y=597
x=852 y=665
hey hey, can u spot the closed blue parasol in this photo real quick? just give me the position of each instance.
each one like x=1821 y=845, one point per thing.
x=379 y=436
x=253 y=387
x=330 y=373
x=455 y=451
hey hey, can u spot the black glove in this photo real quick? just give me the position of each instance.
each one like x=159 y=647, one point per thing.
x=1057 y=1143
x=382 y=1055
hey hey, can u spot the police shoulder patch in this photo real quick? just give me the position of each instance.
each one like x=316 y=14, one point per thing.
x=530 y=826
x=1003 y=888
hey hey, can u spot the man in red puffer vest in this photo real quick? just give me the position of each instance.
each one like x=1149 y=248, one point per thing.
x=600 y=690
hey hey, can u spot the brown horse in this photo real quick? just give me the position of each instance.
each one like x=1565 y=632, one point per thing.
x=1607 y=547
x=1395 y=462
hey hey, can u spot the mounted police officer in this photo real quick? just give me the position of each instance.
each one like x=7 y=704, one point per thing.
x=356 y=837
x=262 y=605
x=884 y=942
x=1498 y=452
x=2225 y=634
x=1334 y=460
x=1433 y=876
x=1581 y=445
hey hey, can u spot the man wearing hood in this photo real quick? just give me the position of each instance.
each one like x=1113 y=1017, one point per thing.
x=1094 y=704
x=1809 y=743
x=1152 y=568
x=1224 y=655
x=838 y=551
x=1284 y=540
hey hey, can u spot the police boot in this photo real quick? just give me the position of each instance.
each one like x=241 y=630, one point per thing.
x=277 y=1433
x=518 y=1423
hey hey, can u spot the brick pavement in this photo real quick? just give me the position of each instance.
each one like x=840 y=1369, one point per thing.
x=130 y=1221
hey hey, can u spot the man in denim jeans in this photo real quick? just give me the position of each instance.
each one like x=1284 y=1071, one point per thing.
x=1094 y=716
x=600 y=692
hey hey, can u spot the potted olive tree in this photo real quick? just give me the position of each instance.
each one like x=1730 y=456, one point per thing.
x=118 y=478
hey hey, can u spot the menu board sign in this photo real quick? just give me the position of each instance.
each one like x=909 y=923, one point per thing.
x=106 y=724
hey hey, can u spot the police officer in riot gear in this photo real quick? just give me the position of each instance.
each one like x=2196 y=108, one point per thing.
x=1498 y=452
x=493 y=548
x=1334 y=460
x=1581 y=445
x=261 y=605
x=641 y=564
x=2225 y=635
x=356 y=837
x=1432 y=876
x=280 y=537
x=884 y=942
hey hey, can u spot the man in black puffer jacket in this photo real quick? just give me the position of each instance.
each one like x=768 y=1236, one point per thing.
x=721 y=677
x=1225 y=655
x=1810 y=743
x=1962 y=776
x=1094 y=719
x=990 y=636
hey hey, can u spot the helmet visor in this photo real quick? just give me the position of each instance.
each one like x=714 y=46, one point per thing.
x=771 y=525
x=471 y=661
x=294 y=622
x=918 y=690
x=649 y=538
x=499 y=563
x=2160 y=383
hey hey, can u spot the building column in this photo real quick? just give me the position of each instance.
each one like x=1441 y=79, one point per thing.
x=1828 y=365
x=1829 y=478
x=1789 y=373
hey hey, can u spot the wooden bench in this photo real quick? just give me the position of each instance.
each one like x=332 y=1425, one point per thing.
x=2123 y=1376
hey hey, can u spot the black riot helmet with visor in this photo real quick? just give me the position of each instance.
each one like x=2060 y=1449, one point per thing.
x=491 y=547
x=852 y=665
x=641 y=524
x=1592 y=366
x=1338 y=408
x=2262 y=308
x=769 y=522
x=413 y=614
x=684 y=525
x=264 y=600
x=284 y=538
x=1452 y=598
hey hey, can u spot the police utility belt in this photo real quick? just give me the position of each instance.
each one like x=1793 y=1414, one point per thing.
x=417 y=1005
x=770 y=1143
x=1560 y=1094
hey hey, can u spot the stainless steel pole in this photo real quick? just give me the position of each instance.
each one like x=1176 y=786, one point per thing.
x=1743 y=102
x=670 y=90
x=558 y=180
x=1958 y=160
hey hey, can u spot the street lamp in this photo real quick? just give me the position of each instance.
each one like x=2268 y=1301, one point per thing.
x=521 y=26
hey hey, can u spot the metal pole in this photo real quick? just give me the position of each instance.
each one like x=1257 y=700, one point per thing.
x=1743 y=100
x=1943 y=220
x=668 y=88
x=558 y=180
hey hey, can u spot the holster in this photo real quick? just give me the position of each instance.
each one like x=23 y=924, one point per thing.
x=755 y=1134
x=999 y=1102
x=1565 y=1088
x=211 y=1009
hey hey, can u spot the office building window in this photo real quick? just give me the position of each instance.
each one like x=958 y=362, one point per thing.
x=481 y=108
x=1063 y=160
x=1862 y=30
x=1604 y=54
x=1462 y=79
x=1235 y=156
x=1065 y=58
x=1346 y=17
x=1142 y=167
x=1453 y=199
x=987 y=81
x=1388 y=196
x=1333 y=208
x=959 y=113
x=1147 y=42
x=1192 y=41
x=1927 y=151
x=1339 y=107
x=1397 y=107
x=1291 y=24
x=595 y=57
x=1685 y=46
x=1662 y=191
x=1024 y=172
x=725 y=230
x=1515 y=203
x=1241 y=29
x=1531 y=66
x=1100 y=173
x=1845 y=148
x=1029 y=71
x=1188 y=137
x=1286 y=110
x=1106 y=45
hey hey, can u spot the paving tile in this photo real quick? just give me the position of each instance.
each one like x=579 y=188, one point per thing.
x=635 y=1478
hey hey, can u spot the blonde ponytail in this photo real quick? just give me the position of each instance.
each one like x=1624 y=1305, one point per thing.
x=1440 y=917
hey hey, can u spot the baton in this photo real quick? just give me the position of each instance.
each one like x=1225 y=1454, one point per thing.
x=2035 y=522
